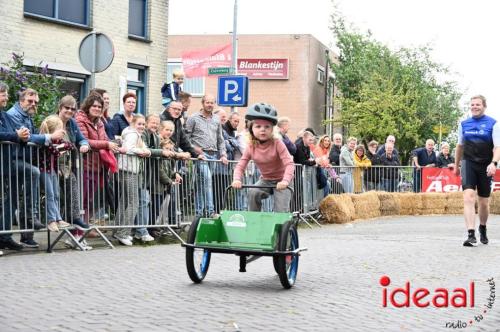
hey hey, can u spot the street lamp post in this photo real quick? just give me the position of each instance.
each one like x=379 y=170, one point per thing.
x=234 y=69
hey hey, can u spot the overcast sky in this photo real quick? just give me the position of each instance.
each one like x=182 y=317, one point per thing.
x=464 y=34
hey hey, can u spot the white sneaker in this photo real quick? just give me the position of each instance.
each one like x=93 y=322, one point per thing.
x=70 y=244
x=144 y=238
x=1 y=253
x=85 y=245
x=52 y=226
x=125 y=242
x=63 y=224
x=130 y=237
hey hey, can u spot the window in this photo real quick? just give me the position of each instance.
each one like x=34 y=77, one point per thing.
x=195 y=86
x=74 y=12
x=136 y=83
x=74 y=84
x=137 y=18
x=320 y=77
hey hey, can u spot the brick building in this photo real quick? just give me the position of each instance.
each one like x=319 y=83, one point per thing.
x=300 y=96
x=50 y=31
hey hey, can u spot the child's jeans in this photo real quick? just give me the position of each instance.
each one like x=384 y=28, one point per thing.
x=50 y=183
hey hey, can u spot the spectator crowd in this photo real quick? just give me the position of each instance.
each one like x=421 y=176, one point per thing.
x=131 y=163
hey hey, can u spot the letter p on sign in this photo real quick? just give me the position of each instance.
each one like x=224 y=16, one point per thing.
x=230 y=89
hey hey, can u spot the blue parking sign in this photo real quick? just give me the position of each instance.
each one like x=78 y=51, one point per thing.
x=232 y=91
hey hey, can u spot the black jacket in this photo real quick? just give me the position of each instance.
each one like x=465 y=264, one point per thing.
x=390 y=172
x=303 y=154
x=179 y=137
x=374 y=173
x=335 y=155
x=443 y=162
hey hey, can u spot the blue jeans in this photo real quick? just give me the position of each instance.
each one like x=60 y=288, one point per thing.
x=390 y=185
x=347 y=182
x=142 y=217
x=50 y=183
x=204 y=199
x=23 y=175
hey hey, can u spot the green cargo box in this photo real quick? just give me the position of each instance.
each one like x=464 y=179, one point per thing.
x=243 y=230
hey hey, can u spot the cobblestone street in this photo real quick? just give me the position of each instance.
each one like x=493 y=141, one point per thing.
x=337 y=289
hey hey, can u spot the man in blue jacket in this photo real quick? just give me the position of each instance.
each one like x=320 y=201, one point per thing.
x=7 y=134
x=25 y=174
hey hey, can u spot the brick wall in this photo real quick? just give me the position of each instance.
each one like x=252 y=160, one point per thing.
x=300 y=97
x=56 y=43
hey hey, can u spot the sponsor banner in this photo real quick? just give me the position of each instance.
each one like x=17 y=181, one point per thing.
x=196 y=63
x=444 y=180
x=264 y=69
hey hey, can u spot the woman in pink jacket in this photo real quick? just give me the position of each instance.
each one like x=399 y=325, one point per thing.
x=92 y=128
x=271 y=157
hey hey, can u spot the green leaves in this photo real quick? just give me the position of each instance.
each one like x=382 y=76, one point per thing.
x=18 y=77
x=382 y=92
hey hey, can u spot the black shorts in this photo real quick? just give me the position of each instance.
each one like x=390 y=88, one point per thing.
x=474 y=177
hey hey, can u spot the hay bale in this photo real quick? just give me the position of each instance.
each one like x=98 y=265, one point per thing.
x=389 y=203
x=495 y=202
x=454 y=202
x=433 y=203
x=407 y=203
x=417 y=204
x=337 y=208
x=366 y=205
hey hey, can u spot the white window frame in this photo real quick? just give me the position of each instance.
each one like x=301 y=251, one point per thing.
x=320 y=74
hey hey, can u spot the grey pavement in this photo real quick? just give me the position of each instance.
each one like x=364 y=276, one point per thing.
x=337 y=289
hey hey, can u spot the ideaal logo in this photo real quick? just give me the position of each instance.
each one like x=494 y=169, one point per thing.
x=422 y=297
x=440 y=298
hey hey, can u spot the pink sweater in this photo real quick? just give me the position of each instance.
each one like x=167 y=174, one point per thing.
x=272 y=158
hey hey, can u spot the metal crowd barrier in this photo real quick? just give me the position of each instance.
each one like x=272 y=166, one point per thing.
x=382 y=178
x=133 y=197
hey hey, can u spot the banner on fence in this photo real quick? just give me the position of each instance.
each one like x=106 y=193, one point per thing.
x=196 y=63
x=444 y=180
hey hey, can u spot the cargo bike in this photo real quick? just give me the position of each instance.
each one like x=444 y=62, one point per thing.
x=249 y=235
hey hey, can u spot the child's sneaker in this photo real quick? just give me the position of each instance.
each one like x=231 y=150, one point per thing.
x=63 y=224
x=52 y=226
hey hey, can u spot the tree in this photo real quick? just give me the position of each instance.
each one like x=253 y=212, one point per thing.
x=384 y=92
x=17 y=77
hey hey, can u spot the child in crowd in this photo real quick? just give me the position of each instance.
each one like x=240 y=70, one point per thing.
x=271 y=157
x=167 y=129
x=170 y=91
x=48 y=165
x=166 y=176
x=130 y=166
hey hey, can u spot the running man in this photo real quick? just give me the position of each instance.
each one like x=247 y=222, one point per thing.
x=479 y=150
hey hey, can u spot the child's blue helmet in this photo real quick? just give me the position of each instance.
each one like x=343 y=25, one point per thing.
x=262 y=111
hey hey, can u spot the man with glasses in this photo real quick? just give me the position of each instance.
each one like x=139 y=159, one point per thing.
x=25 y=176
x=173 y=113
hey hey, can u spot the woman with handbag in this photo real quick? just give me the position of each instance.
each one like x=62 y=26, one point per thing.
x=94 y=171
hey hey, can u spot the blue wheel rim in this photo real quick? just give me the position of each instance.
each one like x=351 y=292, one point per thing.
x=292 y=267
x=202 y=267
